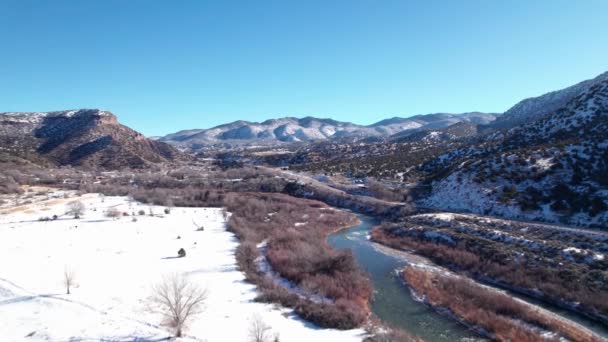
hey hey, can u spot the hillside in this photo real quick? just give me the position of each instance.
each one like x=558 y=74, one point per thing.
x=552 y=169
x=536 y=107
x=85 y=137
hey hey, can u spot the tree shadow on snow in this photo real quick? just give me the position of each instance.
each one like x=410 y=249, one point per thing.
x=96 y=221
x=22 y=299
x=215 y=269
x=17 y=300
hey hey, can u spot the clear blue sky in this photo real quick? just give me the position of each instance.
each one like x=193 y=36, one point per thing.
x=162 y=66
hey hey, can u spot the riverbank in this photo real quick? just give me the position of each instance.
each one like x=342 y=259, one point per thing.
x=490 y=312
x=294 y=232
x=392 y=304
x=485 y=309
x=565 y=268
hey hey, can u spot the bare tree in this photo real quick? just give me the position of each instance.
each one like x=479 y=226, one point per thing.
x=178 y=300
x=75 y=208
x=259 y=331
x=69 y=279
x=199 y=227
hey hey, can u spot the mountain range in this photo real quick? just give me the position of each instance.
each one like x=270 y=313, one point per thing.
x=289 y=130
x=94 y=137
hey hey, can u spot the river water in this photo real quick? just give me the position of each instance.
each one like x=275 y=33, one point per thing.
x=393 y=302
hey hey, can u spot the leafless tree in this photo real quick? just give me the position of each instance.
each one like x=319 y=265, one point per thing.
x=178 y=300
x=69 y=279
x=259 y=331
x=75 y=208
x=199 y=227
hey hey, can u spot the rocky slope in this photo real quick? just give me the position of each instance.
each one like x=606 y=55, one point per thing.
x=554 y=168
x=536 y=107
x=289 y=129
x=86 y=137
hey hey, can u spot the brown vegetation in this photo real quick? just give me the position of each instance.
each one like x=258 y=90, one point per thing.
x=501 y=316
x=561 y=283
x=300 y=254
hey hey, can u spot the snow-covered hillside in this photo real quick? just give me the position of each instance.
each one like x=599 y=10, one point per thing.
x=313 y=129
x=534 y=108
x=553 y=169
x=116 y=263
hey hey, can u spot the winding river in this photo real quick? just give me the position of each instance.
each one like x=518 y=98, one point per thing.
x=393 y=303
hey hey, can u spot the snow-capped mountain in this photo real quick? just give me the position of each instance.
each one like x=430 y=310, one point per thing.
x=536 y=107
x=313 y=129
x=434 y=121
x=90 y=137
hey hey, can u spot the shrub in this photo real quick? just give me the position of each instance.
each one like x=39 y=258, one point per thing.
x=246 y=253
x=343 y=314
x=181 y=253
x=112 y=213
x=9 y=186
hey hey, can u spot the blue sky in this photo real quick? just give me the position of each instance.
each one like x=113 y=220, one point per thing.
x=162 y=66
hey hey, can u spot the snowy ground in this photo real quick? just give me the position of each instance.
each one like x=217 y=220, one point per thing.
x=116 y=262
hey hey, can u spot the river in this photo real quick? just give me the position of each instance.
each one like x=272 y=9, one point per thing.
x=393 y=303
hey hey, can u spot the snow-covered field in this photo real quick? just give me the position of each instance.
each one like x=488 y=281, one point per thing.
x=116 y=262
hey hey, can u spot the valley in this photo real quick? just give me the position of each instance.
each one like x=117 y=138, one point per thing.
x=435 y=227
